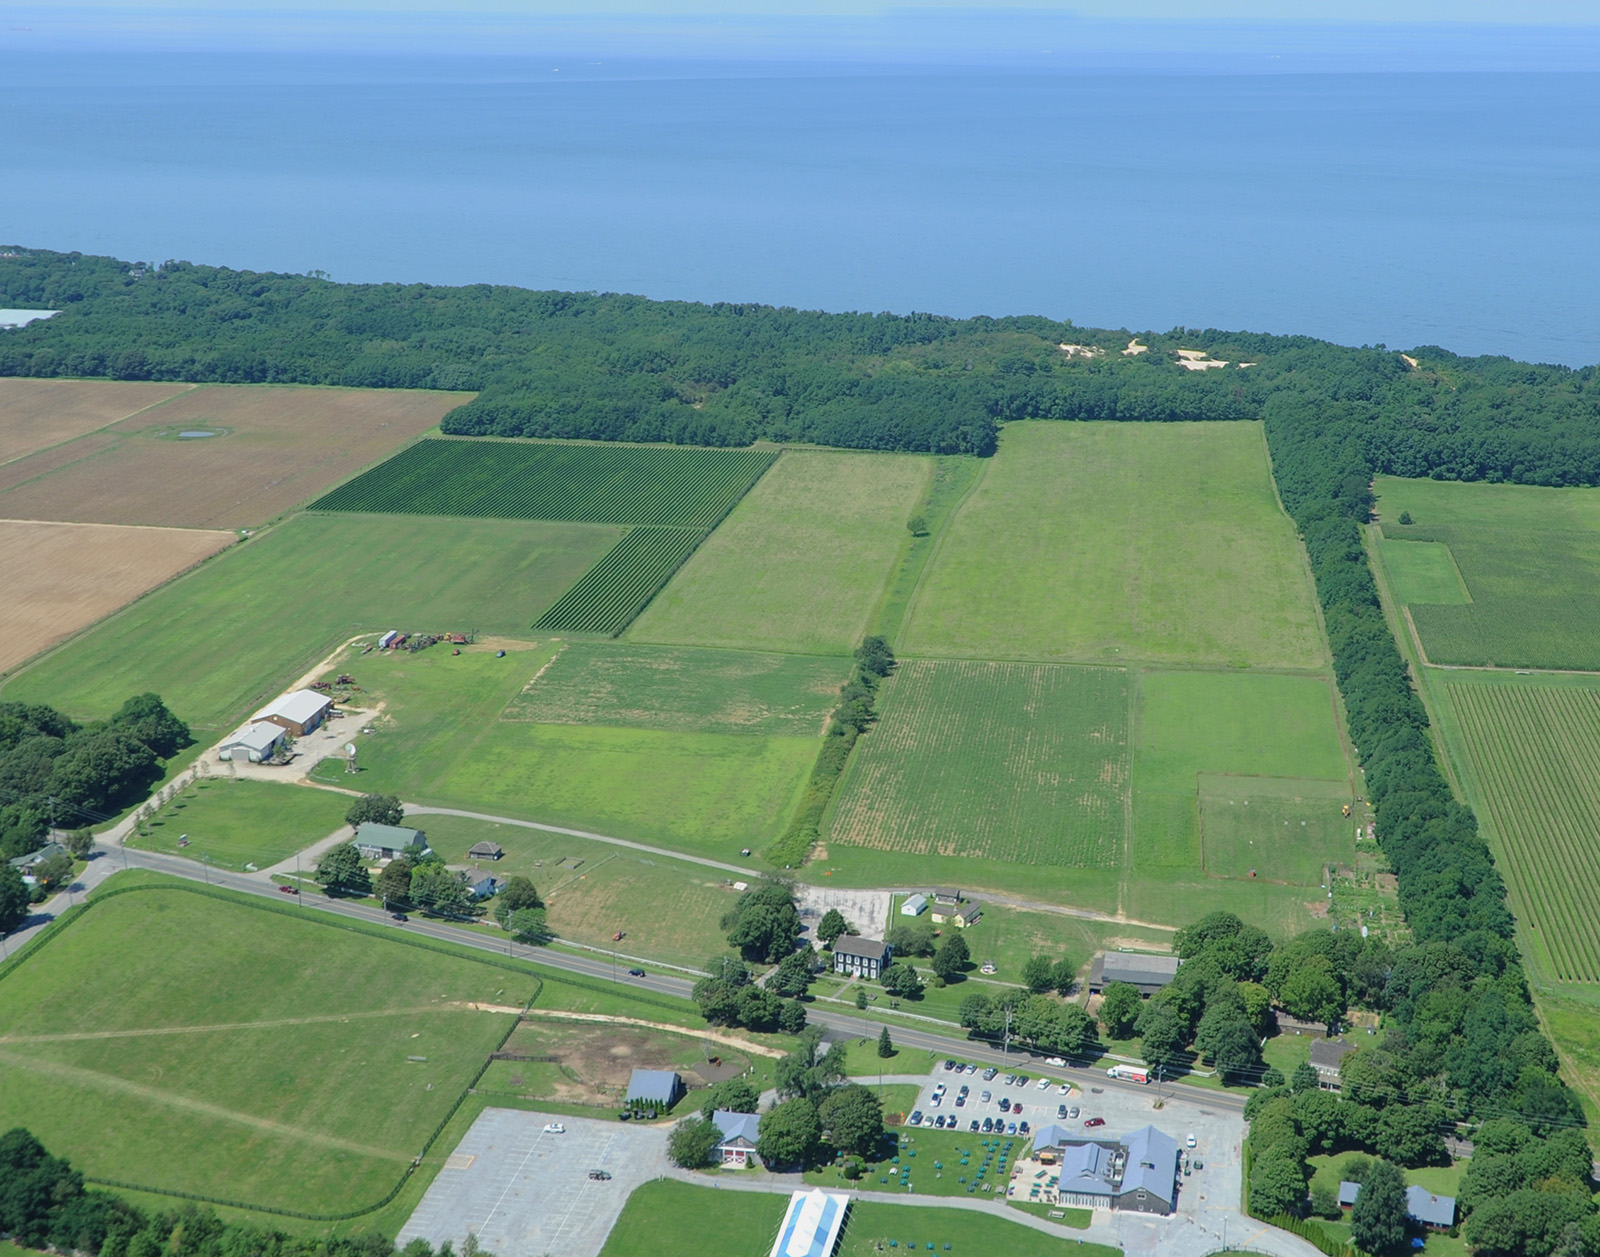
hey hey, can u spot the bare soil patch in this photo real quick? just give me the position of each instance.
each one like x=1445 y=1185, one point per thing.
x=592 y=1064
x=59 y=578
x=36 y=414
x=275 y=448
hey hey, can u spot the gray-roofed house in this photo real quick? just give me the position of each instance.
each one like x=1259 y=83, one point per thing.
x=1437 y=1213
x=660 y=1087
x=256 y=742
x=1147 y=973
x=861 y=957
x=1326 y=1057
x=483 y=885
x=739 y=1134
x=485 y=851
x=945 y=896
x=385 y=842
x=1150 y=1178
x=24 y=863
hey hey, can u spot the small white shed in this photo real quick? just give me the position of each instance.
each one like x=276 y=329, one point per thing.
x=914 y=906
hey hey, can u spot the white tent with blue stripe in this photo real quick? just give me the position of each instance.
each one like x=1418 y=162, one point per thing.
x=812 y=1224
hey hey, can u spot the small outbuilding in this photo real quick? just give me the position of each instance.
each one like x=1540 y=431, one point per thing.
x=485 y=851
x=1147 y=973
x=914 y=906
x=483 y=885
x=385 y=842
x=944 y=896
x=299 y=713
x=740 y=1131
x=256 y=742
x=659 y=1087
x=861 y=957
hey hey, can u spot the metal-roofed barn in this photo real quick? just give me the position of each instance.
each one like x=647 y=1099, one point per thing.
x=1147 y=973
x=257 y=741
x=661 y=1087
x=299 y=712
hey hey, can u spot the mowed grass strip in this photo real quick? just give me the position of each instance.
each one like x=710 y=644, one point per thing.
x=598 y=484
x=674 y=1219
x=682 y=688
x=1026 y=763
x=1285 y=829
x=223 y=640
x=615 y=589
x=238 y=1052
x=801 y=562
x=1424 y=572
x=231 y=823
x=1530 y=560
x=1159 y=542
x=1535 y=753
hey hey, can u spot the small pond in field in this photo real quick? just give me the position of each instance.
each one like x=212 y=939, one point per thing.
x=194 y=434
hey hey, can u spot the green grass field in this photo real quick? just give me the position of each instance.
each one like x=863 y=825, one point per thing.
x=612 y=888
x=801 y=562
x=220 y=642
x=675 y=1219
x=1529 y=558
x=1022 y=763
x=240 y=1052
x=442 y=741
x=683 y=689
x=1424 y=572
x=233 y=823
x=1286 y=829
x=1534 y=752
x=1122 y=541
x=600 y=483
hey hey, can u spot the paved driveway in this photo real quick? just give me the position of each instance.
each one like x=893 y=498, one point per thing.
x=524 y=1193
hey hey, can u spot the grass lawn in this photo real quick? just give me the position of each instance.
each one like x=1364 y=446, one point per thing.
x=232 y=823
x=1424 y=572
x=610 y=888
x=1288 y=829
x=675 y=1219
x=1079 y=1218
x=800 y=564
x=241 y=1052
x=1006 y=762
x=930 y=1161
x=1529 y=561
x=442 y=741
x=221 y=641
x=681 y=689
x=1120 y=542
x=1286 y=1052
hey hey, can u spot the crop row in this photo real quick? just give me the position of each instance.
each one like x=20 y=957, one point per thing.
x=617 y=588
x=596 y=484
x=1536 y=755
x=1026 y=763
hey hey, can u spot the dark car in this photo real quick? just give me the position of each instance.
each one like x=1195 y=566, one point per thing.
x=1061 y=1111
x=961 y=1102
x=1022 y=1128
x=400 y=916
x=1094 y=1121
x=600 y=1176
x=916 y=1118
x=948 y=1066
x=1016 y=1110
x=1005 y=1104
x=974 y=1125
x=964 y=1089
x=988 y=1125
x=636 y=973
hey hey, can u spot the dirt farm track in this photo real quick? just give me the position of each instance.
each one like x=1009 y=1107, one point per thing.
x=59 y=578
x=217 y=456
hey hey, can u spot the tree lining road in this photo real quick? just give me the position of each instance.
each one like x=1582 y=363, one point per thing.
x=839 y=1024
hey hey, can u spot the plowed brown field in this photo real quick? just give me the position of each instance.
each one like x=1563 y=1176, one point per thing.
x=36 y=414
x=59 y=578
x=276 y=447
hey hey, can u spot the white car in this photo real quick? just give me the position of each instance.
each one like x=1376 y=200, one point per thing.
x=1045 y=1084
x=556 y=1128
x=1057 y=1061
x=1065 y=1088
x=1189 y=1142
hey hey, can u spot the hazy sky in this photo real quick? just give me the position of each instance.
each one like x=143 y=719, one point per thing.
x=1511 y=12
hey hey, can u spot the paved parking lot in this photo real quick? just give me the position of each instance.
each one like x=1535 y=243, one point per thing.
x=524 y=1193
x=1202 y=1195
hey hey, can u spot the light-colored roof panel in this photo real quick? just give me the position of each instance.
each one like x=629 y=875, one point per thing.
x=300 y=706
x=1152 y=1163
x=256 y=736
x=811 y=1225
x=737 y=1125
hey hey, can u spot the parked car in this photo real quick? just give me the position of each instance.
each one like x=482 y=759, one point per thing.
x=1065 y=1088
x=987 y=1096
x=948 y=1066
x=1005 y=1104
x=974 y=1126
x=916 y=1118
x=1045 y=1084
x=1010 y=1079
x=1011 y=1128
x=1061 y=1112
x=990 y=1074
x=1022 y=1128
x=554 y=1128
x=971 y=1068
x=1189 y=1142
x=1094 y=1121
x=1073 y=1111
x=624 y=1116
x=1016 y=1110
x=1022 y=1080
x=600 y=1176
x=636 y=973
x=964 y=1089
x=961 y=1102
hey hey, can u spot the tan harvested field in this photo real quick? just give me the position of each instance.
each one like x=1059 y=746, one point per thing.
x=36 y=414
x=276 y=446
x=59 y=578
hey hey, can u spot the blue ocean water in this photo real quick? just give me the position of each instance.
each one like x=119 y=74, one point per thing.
x=1460 y=209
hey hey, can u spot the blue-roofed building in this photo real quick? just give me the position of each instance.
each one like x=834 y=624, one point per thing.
x=740 y=1131
x=1150 y=1178
x=660 y=1087
x=1138 y=1173
x=811 y=1225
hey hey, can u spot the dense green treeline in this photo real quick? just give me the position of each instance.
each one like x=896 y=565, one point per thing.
x=1461 y=1038
x=616 y=367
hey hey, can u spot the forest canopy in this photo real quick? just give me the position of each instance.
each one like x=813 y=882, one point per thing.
x=616 y=367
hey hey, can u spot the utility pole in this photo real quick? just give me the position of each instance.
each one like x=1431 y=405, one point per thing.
x=1005 y=1043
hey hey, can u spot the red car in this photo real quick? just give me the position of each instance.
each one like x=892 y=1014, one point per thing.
x=288 y=890
x=1094 y=1121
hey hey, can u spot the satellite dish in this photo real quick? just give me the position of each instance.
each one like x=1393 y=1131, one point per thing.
x=349 y=748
